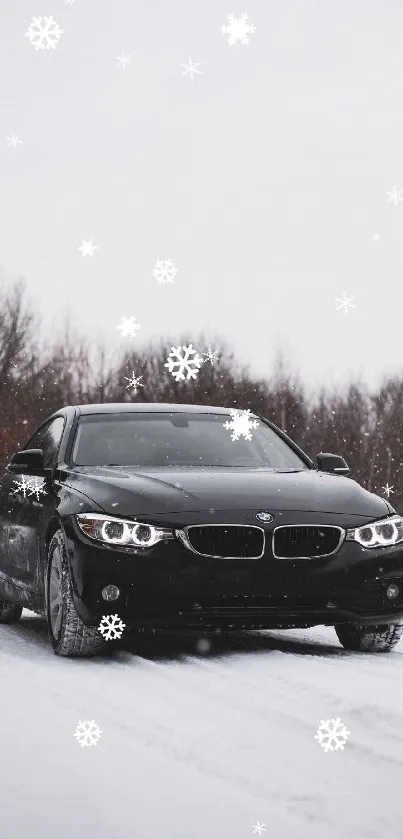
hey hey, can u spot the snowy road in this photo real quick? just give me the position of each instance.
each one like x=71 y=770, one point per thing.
x=200 y=747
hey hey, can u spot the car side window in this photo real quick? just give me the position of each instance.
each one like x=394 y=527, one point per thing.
x=51 y=441
x=48 y=439
x=35 y=442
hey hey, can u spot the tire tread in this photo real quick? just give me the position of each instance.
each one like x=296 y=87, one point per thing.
x=369 y=639
x=76 y=640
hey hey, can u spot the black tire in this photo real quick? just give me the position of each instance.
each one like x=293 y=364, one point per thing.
x=369 y=639
x=9 y=612
x=68 y=634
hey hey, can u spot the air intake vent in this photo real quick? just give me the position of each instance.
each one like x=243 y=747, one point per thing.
x=224 y=541
x=306 y=541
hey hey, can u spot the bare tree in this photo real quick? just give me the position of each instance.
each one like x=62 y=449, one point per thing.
x=37 y=379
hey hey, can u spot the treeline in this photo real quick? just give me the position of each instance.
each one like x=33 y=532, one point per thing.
x=37 y=379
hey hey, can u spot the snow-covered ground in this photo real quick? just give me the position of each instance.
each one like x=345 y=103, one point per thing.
x=200 y=746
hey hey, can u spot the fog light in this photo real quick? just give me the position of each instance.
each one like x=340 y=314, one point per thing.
x=112 y=593
x=392 y=591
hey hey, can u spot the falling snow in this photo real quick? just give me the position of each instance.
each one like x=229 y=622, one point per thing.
x=87 y=247
x=37 y=488
x=183 y=362
x=123 y=60
x=395 y=196
x=165 y=271
x=134 y=382
x=30 y=486
x=211 y=356
x=14 y=140
x=238 y=29
x=203 y=646
x=332 y=735
x=240 y=424
x=44 y=33
x=23 y=486
x=87 y=733
x=345 y=303
x=128 y=327
x=190 y=69
x=111 y=627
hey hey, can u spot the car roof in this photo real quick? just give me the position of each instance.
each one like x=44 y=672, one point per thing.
x=152 y=407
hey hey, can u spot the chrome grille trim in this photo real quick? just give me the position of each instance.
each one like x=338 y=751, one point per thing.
x=341 y=530
x=182 y=534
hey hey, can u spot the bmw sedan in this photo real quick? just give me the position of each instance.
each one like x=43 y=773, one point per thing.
x=121 y=517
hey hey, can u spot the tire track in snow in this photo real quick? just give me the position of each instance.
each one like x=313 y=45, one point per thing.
x=244 y=720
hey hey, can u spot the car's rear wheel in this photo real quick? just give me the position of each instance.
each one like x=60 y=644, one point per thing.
x=9 y=612
x=369 y=639
x=68 y=634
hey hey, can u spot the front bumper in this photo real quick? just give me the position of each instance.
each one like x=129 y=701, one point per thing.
x=169 y=587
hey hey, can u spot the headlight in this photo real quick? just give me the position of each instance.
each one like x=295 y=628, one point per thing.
x=120 y=532
x=380 y=534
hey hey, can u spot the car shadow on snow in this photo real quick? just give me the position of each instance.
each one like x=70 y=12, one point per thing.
x=178 y=645
x=30 y=631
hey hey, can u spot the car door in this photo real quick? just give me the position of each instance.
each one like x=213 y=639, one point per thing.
x=29 y=501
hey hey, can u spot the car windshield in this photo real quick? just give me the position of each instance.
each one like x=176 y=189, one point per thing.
x=177 y=439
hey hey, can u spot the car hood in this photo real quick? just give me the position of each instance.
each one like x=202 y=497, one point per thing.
x=130 y=491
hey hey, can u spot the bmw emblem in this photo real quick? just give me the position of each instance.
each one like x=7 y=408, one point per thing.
x=264 y=516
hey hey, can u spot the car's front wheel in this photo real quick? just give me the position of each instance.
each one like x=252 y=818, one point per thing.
x=369 y=639
x=9 y=612
x=68 y=634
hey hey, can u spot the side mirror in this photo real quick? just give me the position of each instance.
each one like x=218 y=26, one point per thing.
x=327 y=462
x=28 y=462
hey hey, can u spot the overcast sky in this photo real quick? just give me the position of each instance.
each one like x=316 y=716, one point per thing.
x=264 y=179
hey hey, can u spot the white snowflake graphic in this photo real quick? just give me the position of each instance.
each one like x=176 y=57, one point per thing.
x=128 y=327
x=87 y=247
x=332 y=735
x=387 y=489
x=22 y=486
x=70 y=2
x=238 y=29
x=134 y=382
x=123 y=60
x=258 y=828
x=395 y=196
x=184 y=362
x=211 y=356
x=36 y=488
x=111 y=627
x=376 y=237
x=165 y=271
x=345 y=303
x=240 y=424
x=30 y=486
x=14 y=140
x=190 y=69
x=44 y=33
x=87 y=733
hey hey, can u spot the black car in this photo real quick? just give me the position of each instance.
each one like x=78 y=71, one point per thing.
x=148 y=516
